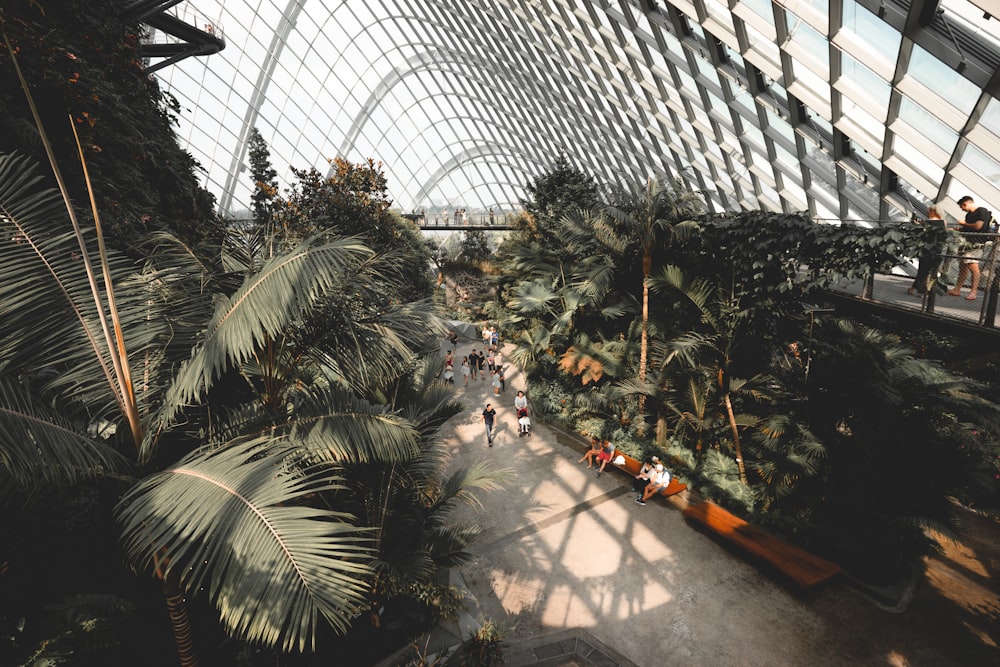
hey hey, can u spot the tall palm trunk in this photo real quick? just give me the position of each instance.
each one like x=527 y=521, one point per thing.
x=736 y=437
x=644 y=341
x=180 y=621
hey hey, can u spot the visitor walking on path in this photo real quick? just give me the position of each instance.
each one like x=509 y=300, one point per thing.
x=489 y=415
x=465 y=370
x=473 y=363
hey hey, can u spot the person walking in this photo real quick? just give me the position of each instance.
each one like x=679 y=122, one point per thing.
x=489 y=417
x=465 y=370
x=481 y=361
x=473 y=363
x=495 y=381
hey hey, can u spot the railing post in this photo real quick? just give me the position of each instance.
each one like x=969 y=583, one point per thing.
x=868 y=290
x=989 y=315
x=930 y=298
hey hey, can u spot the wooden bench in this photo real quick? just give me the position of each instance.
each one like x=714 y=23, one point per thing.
x=798 y=565
x=632 y=466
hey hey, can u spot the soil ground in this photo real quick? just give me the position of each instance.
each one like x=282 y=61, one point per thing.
x=562 y=548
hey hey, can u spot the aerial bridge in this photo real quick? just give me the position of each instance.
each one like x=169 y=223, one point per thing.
x=452 y=223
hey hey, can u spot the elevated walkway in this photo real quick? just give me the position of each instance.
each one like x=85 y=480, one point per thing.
x=486 y=223
x=174 y=36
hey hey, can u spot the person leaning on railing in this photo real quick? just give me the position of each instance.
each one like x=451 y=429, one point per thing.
x=978 y=221
x=929 y=261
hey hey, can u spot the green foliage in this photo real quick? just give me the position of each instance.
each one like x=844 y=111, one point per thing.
x=354 y=201
x=778 y=257
x=483 y=648
x=550 y=197
x=84 y=628
x=902 y=438
x=839 y=457
x=264 y=179
x=475 y=246
x=81 y=59
x=261 y=409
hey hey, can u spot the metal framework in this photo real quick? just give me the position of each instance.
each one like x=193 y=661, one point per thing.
x=171 y=38
x=847 y=109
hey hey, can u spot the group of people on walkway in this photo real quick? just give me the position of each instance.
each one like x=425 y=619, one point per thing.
x=480 y=365
x=475 y=365
x=652 y=478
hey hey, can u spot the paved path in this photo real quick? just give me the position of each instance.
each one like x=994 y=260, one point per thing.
x=562 y=549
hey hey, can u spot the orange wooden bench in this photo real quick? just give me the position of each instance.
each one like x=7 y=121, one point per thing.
x=632 y=466
x=801 y=567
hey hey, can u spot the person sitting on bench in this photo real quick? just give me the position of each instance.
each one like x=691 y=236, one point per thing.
x=642 y=478
x=606 y=454
x=588 y=456
x=658 y=482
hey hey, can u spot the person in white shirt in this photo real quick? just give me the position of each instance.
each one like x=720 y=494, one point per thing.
x=658 y=481
x=642 y=478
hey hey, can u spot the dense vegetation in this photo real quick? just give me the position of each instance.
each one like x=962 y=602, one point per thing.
x=237 y=423
x=232 y=424
x=704 y=338
x=81 y=61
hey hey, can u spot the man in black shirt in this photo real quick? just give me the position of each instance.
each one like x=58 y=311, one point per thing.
x=978 y=220
x=489 y=415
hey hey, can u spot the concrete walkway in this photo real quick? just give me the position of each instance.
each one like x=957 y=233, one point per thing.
x=564 y=550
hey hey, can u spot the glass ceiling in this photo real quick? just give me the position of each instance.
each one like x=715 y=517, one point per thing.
x=849 y=109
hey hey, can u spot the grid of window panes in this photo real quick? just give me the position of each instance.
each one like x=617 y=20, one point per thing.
x=849 y=109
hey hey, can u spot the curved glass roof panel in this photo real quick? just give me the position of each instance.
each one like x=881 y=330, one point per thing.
x=754 y=103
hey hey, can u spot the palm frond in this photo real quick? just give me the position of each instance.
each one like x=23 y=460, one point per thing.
x=49 y=314
x=285 y=289
x=334 y=425
x=39 y=445
x=533 y=298
x=233 y=521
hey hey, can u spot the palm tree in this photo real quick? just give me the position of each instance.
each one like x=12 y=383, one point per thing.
x=411 y=503
x=903 y=439
x=637 y=221
x=242 y=513
x=711 y=346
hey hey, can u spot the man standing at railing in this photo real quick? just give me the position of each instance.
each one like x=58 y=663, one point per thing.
x=978 y=221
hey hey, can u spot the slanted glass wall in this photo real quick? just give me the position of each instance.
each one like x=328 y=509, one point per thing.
x=864 y=109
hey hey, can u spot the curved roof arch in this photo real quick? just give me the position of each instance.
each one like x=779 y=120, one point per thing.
x=564 y=115
x=854 y=109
